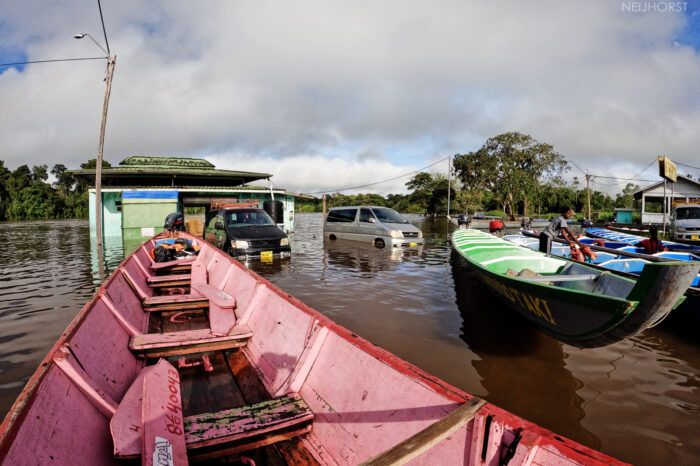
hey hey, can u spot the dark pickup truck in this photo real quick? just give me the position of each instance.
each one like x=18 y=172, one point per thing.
x=245 y=233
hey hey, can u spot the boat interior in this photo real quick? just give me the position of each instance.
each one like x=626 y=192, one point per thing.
x=526 y=264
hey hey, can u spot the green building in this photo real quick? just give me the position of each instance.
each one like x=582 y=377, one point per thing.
x=140 y=192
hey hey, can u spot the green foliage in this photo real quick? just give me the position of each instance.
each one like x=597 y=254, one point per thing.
x=25 y=194
x=512 y=166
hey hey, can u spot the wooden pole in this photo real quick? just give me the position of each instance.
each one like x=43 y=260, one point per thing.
x=449 y=184
x=428 y=437
x=588 y=190
x=111 y=61
x=324 y=209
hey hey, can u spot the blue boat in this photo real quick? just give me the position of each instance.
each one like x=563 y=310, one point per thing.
x=616 y=262
x=634 y=239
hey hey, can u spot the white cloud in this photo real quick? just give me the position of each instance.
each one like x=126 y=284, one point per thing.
x=318 y=84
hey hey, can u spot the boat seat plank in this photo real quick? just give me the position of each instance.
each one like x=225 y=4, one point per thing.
x=160 y=280
x=187 y=342
x=161 y=409
x=238 y=424
x=153 y=301
x=558 y=278
x=151 y=407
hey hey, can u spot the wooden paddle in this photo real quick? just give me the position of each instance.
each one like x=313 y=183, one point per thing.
x=425 y=439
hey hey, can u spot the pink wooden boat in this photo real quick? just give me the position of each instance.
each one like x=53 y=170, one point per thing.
x=203 y=359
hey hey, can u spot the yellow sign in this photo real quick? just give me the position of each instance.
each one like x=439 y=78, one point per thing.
x=413 y=245
x=266 y=256
x=667 y=169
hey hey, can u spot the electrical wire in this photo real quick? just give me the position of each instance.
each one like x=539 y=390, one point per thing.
x=379 y=182
x=645 y=168
x=99 y=5
x=51 y=61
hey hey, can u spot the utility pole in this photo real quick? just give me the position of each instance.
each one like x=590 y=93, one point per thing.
x=588 y=190
x=449 y=184
x=111 y=61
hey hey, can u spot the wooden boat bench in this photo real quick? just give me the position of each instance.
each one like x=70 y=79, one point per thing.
x=239 y=429
x=151 y=410
x=153 y=345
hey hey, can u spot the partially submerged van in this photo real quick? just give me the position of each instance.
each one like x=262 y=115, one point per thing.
x=685 y=222
x=380 y=226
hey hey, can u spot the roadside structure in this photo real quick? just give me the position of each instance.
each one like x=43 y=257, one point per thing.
x=685 y=190
x=141 y=191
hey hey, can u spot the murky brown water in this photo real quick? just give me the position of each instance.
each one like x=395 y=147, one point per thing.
x=637 y=400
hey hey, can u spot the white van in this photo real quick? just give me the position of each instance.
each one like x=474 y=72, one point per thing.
x=380 y=226
x=685 y=222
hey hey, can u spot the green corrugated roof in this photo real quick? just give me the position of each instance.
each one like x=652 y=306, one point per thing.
x=168 y=171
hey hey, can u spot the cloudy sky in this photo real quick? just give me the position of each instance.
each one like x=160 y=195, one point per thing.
x=330 y=94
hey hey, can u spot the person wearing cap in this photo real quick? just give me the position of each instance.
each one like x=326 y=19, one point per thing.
x=653 y=244
x=558 y=227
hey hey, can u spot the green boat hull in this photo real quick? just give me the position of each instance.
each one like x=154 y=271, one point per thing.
x=576 y=304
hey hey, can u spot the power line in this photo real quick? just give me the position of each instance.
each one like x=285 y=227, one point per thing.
x=623 y=179
x=379 y=182
x=99 y=5
x=645 y=168
x=50 y=61
x=689 y=166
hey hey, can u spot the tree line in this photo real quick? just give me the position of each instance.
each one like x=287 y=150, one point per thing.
x=511 y=174
x=25 y=193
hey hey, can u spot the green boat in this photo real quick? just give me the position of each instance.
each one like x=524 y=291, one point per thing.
x=576 y=304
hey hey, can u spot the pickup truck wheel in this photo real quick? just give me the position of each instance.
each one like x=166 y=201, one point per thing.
x=379 y=243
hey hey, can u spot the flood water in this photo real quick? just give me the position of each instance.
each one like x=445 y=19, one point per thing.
x=637 y=400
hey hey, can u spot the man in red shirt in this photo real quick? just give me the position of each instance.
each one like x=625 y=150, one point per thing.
x=652 y=244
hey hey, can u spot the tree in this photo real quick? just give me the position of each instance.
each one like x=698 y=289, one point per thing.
x=626 y=198
x=512 y=166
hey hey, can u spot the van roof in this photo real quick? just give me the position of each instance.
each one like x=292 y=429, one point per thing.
x=358 y=206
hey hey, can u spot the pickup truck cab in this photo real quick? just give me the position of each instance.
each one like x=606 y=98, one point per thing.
x=246 y=232
x=685 y=222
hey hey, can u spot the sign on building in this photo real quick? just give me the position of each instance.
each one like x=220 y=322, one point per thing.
x=667 y=169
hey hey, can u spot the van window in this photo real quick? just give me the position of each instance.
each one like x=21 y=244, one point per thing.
x=385 y=215
x=688 y=213
x=342 y=215
x=365 y=215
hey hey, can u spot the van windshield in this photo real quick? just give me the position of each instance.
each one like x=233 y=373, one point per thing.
x=247 y=217
x=385 y=215
x=688 y=213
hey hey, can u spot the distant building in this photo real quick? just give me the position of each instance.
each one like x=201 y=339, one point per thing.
x=140 y=192
x=685 y=190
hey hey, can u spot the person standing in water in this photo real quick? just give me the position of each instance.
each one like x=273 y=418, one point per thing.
x=557 y=227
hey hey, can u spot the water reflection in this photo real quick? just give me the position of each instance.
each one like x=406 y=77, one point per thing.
x=519 y=365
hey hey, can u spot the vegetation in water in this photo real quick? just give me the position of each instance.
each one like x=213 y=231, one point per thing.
x=25 y=193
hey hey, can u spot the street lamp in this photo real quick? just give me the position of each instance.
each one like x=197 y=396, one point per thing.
x=111 y=61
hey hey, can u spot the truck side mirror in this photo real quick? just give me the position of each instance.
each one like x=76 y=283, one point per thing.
x=371 y=220
x=219 y=226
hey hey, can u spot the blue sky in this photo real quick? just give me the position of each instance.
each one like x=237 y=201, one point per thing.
x=330 y=94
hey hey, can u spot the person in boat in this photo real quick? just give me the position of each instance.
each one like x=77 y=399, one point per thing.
x=525 y=222
x=653 y=244
x=558 y=227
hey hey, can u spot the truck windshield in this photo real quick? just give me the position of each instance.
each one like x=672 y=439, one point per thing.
x=385 y=215
x=688 y=213
x=247 y=217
